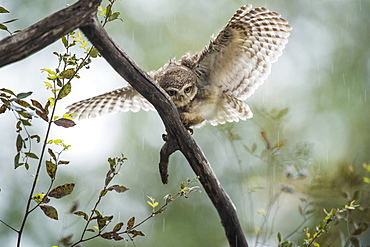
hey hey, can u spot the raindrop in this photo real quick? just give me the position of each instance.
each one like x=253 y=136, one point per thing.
x=365 y=94
x=349 y=94
x=344 y=79
x=163 y=225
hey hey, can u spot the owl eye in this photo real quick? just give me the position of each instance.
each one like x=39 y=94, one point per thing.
x=171 y=92
x=188 y=89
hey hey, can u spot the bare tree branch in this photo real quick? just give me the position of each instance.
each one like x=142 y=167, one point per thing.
x=45 y=32
x=83 y=15
x=133 y=74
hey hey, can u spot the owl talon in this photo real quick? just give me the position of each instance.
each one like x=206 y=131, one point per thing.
x=164 y=137
x=191 y=131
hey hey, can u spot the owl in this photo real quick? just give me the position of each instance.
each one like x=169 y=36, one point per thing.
x=212 y=84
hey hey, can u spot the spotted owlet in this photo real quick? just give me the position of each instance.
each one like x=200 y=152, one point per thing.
x=212 y=84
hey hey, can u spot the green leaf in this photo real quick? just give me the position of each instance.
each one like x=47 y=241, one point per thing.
x=118 y=227
x=61 y=191
x=107 y=235
x=367 y=180
x=50 y=211
x=37 y=104
x=131 y=223
x=23 y=95
x=3 y=27
x=7 y=90
x=51 y=169
x=25 y=122
x=117 y=237
x=118 y=188
x=114 y=16
x=51 y=72
x=42 y=115
x=103 y=192
x=83 y=214
x=101 y=222
x=16 y=160
x=136 y=233
x=108 y=11
x=66 y=89
x=25 y=114
x=64 y=122
x=68 y=73
x=108 y=218
x=94 y=52
x=3 y=108
x=98 y=214
x=51 y=153
x=63 y=162
x=65 y=41
x=32 y=155
x=19 y=143
x=160 y=210
x=6 y=22
x=38 y=139
x=3 y=10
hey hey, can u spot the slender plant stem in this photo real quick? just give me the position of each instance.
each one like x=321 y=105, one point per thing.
x=28 y=211
x=8 y=226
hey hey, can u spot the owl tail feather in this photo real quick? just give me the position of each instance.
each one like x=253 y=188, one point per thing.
x=231 y=110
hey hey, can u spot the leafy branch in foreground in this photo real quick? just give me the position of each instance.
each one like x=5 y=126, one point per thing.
x=103 y=222
x=323 y=227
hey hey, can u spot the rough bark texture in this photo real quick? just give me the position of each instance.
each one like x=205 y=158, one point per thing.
x=83 y=15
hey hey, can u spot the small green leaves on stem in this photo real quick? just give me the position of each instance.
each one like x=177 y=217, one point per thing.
x=2 y=24
x=60 y=143
x=152 y=203
x=323 y=226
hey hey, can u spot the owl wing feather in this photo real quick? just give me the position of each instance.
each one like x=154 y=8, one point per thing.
x=123 y=99
x=239 y=59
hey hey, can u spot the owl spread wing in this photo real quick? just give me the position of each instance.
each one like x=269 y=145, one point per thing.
x=240 y=58
x=123 y=99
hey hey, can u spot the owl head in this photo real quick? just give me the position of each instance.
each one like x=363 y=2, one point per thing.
x=180 y=83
